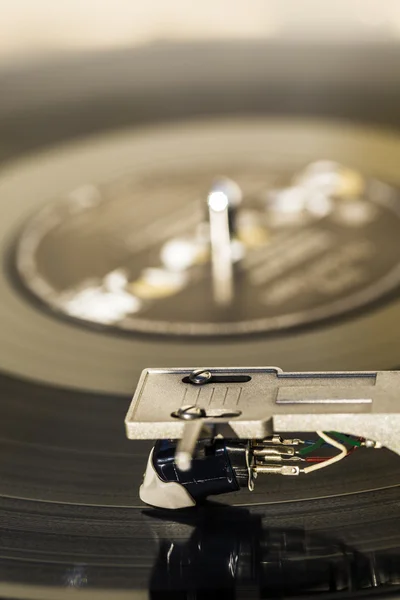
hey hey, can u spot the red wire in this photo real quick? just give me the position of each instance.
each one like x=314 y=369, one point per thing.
x=323 y=458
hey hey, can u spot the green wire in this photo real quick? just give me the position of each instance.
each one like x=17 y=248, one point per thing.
x=320 y=442
x=345 y=438
x=313 y=447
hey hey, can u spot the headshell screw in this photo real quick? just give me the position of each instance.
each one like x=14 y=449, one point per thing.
x=189 y=413
x=200 y=376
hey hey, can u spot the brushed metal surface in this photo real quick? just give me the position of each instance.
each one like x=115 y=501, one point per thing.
x=359 y=403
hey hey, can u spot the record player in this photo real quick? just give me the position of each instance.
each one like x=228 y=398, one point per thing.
x=196 y=208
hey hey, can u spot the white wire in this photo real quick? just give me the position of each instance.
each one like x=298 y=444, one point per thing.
x=329 y=461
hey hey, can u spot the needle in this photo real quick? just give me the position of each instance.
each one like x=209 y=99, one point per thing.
x=223 y=200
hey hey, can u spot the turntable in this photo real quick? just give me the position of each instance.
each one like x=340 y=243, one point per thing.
x=112 y=225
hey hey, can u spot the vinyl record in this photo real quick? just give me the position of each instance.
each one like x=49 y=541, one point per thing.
x=63 y=234
x=85 y=143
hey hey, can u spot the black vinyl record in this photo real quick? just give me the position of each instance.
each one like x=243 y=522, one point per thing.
x=85 y=141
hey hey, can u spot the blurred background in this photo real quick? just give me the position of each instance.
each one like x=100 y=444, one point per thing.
x=33 y=29
x=296 y=102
